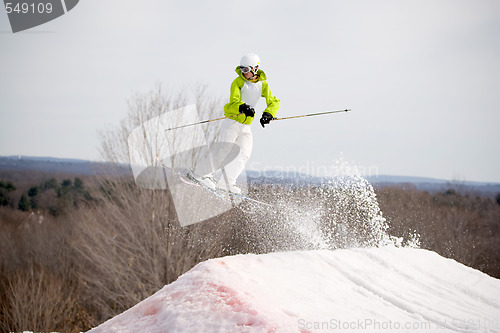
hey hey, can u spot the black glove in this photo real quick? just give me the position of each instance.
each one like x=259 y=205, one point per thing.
x=266 y=118
x=247 y=110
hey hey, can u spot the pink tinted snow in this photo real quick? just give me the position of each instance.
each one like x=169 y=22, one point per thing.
x=319 y=291
x=199 y=301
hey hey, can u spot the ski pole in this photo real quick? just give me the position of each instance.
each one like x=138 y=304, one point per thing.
x=201 y=122
x=283 y=118
x=312 y=114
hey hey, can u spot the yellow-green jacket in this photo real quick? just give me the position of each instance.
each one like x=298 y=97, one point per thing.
x=245 y=91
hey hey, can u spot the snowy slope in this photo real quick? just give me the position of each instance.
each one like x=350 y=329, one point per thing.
x=376 y=289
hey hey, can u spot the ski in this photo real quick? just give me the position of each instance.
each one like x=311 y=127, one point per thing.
x=219 y=193
x=183 y=178
x=187 y=180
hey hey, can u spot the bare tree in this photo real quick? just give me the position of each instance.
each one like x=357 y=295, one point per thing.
x=130 y=243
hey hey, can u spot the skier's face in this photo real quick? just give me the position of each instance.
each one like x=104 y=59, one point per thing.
x=248 y=75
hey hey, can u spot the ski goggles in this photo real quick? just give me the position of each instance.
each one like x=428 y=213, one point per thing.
x=246 y=69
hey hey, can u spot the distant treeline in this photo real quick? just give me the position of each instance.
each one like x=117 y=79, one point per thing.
x=50 y=165
x=49 y=195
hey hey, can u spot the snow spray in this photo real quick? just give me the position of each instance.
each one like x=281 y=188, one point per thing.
x=341 y=212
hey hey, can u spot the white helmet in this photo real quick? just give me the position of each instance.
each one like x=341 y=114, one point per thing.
x=250 y=62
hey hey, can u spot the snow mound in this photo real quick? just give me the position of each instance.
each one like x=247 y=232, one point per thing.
x=375 y=289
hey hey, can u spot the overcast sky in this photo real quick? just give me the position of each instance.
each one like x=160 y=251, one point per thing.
x=422 y=78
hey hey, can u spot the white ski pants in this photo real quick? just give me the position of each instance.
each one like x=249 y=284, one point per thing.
x=231 y=132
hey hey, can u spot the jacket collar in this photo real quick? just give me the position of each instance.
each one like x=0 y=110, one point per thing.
x=260 y=73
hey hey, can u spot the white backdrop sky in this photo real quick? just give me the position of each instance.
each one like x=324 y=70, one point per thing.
x=422 y=78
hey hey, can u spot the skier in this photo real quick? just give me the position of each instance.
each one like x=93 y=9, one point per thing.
x=246 y=89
